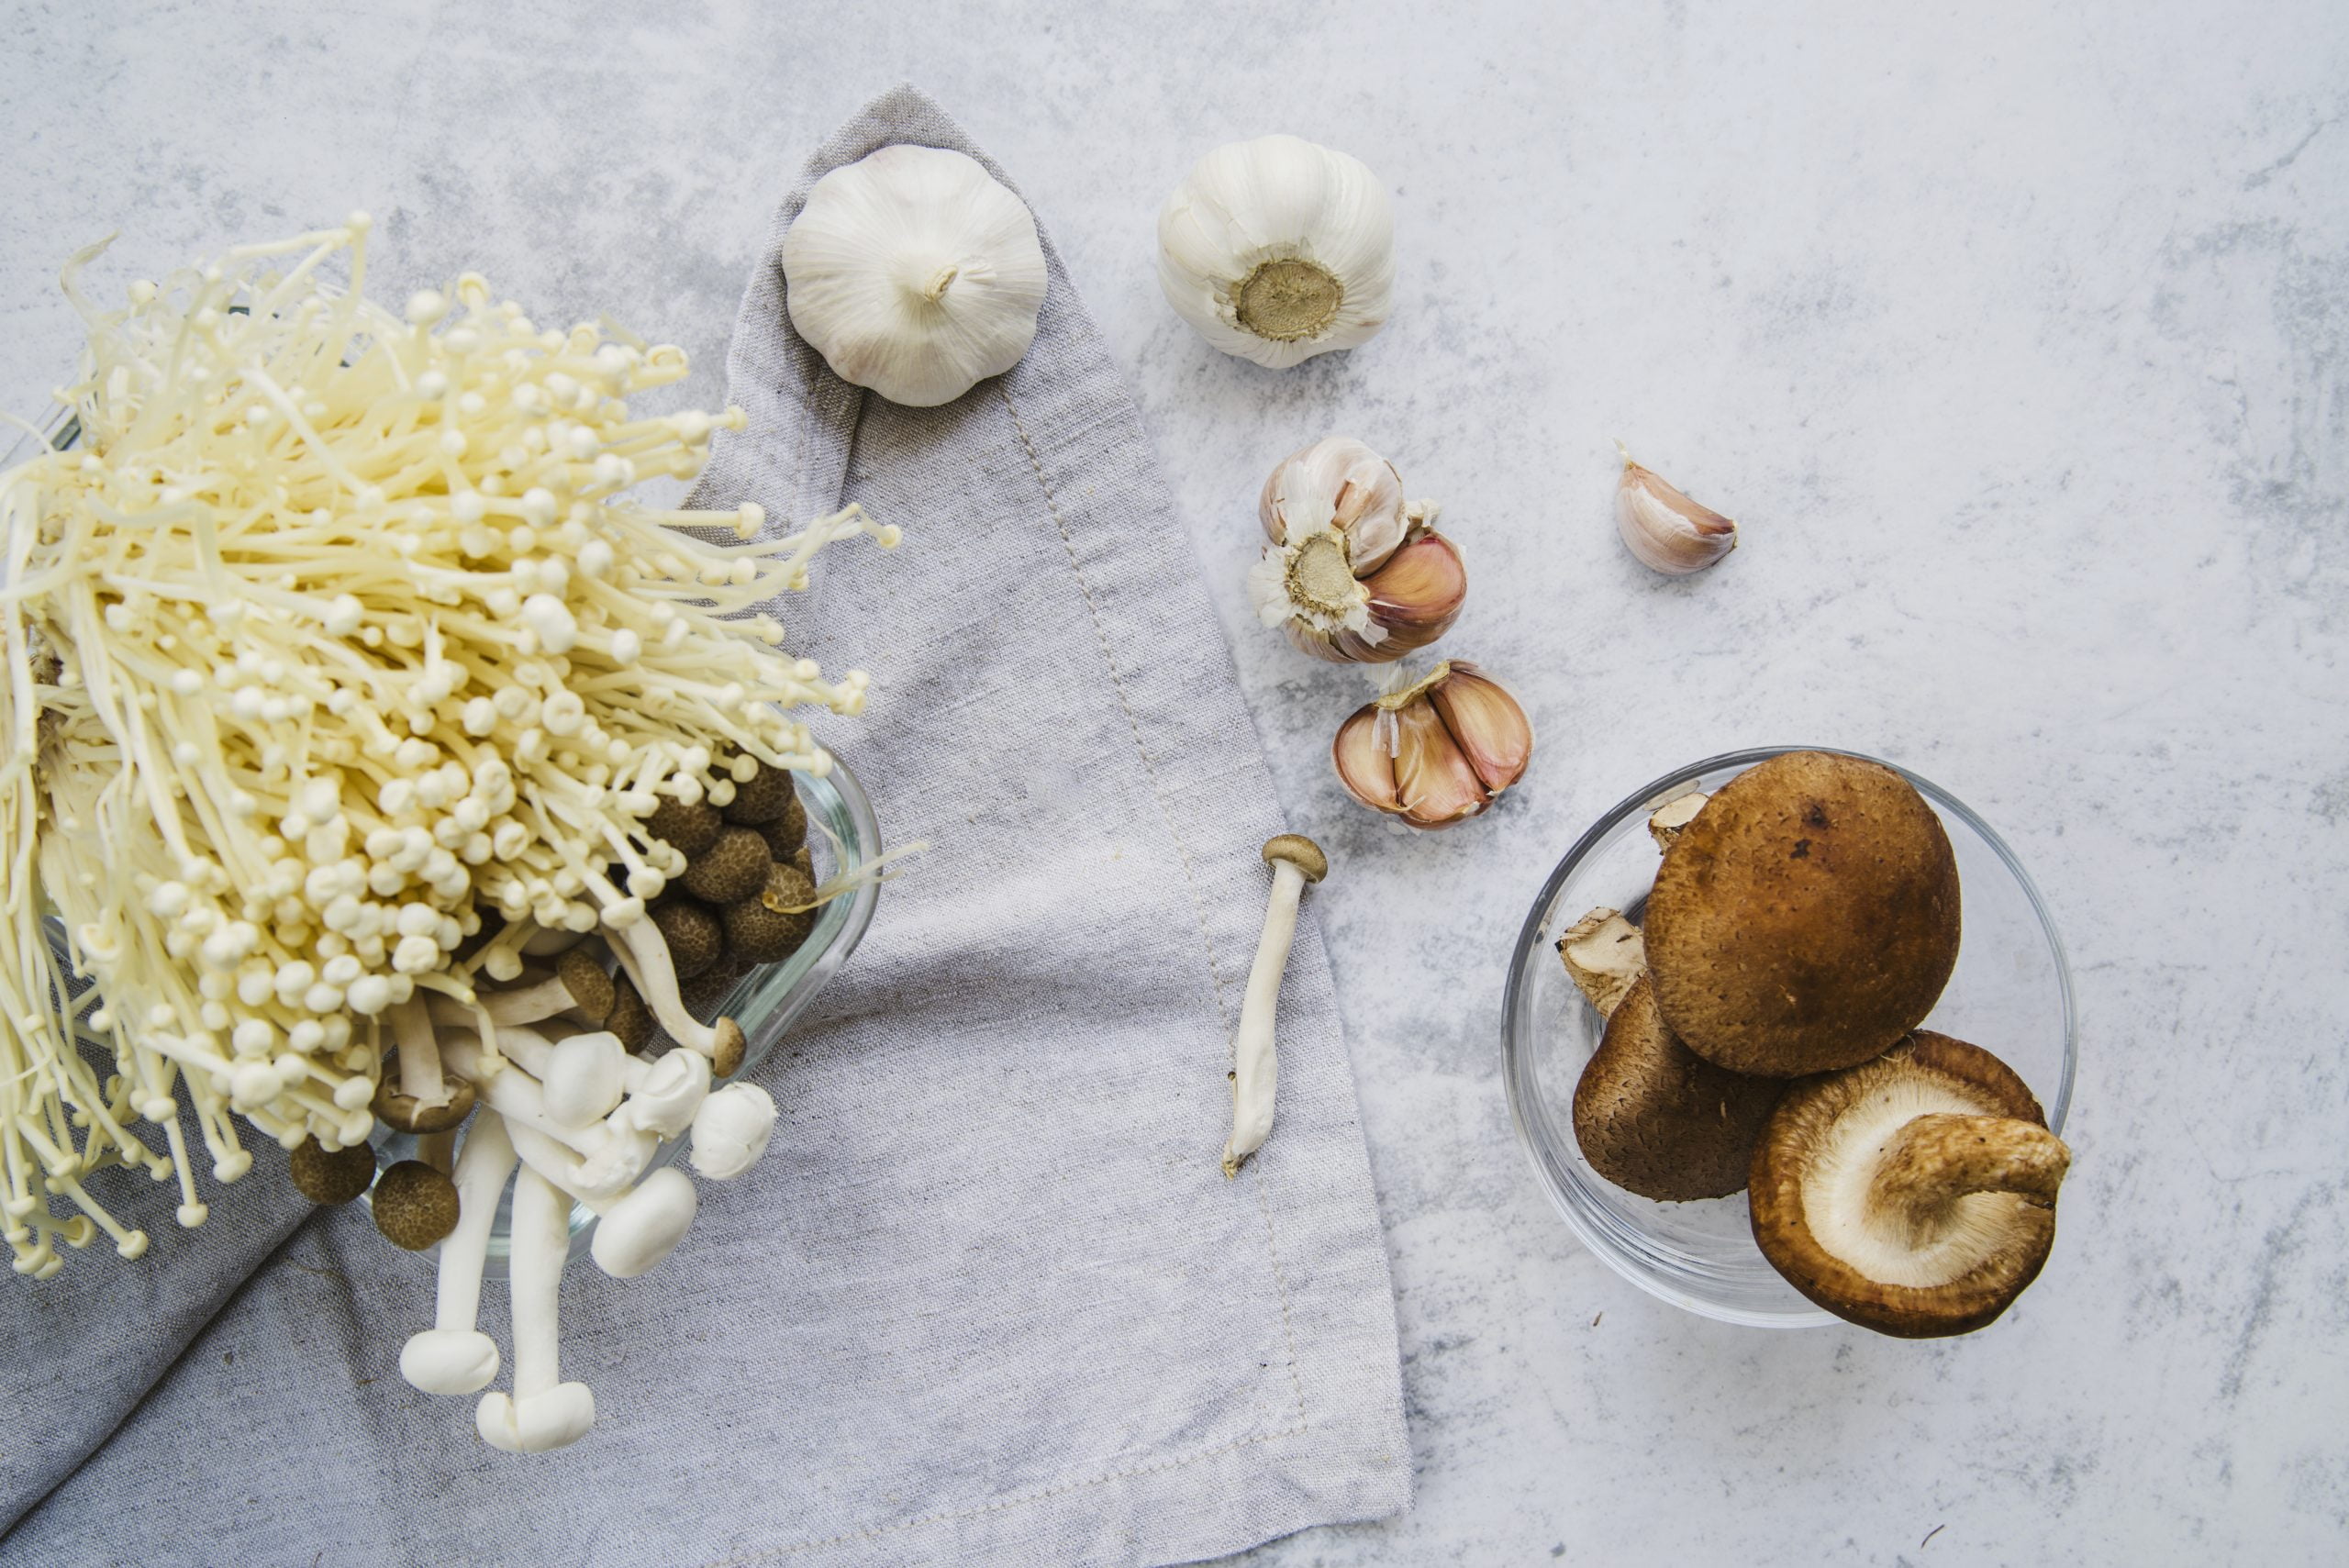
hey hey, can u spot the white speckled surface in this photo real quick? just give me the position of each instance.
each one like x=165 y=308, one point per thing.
x=2018 y=336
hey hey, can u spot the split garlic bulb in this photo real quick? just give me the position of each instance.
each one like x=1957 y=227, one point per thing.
x=1353 y=573
x=1277 y=250
x=1436 y=751
x=914 y=274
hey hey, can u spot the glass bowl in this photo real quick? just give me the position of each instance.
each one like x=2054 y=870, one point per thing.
x=842 y=835
x=2011 y=994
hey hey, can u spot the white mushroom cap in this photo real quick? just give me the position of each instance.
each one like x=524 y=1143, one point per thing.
x=585 y=1078
x=538 y=1423
x=730 y=1130
x=449 y=1360
x=643 y=1227
x=671 y=1089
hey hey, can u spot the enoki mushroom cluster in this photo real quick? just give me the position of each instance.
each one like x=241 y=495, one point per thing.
x=334 y=639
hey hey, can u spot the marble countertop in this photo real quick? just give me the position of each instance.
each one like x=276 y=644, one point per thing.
x=2017 y=337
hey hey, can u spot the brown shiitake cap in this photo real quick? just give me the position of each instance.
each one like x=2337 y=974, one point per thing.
x=695 y=936
x=1299 y=851
x=771 y=926
x=733 y=866
x=330 y=1178
x=1805 y=919
x=688 y=829
x=585 y=978
x=1913 y=1194
x=629 y=1018
x=1655 y=1118
x=404 y=1113
x=414 y=1205
x=762 y=797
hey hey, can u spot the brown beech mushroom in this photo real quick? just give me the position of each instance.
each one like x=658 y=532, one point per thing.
x=786 y=835
x=688 y=829
x=697 y=938
x=765 y=797
x=1913 y=1194
x=627 y=1017
x=771 y=924
x=398 y=1102
x=734 y=866
x=1805 y=919
x=577 y=986
x=1657 y=1119
x=414 y=1205
x=325 y=1178
x=1604 y=957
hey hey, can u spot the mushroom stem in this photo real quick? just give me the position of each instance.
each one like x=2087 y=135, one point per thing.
x=453 y=1356
x=544 y=1412
x=641 y=953
x=1937 y=1161
x=419 y=1054
x=1254 y=1067
x=578 y=984
x=612 y=1155
x=636 y=1228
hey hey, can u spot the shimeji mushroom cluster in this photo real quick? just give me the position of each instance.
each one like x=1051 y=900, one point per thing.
x=333 y=644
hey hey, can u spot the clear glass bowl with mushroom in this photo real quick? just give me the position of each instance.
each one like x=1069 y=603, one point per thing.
x=2009 y=992
x=842 y=836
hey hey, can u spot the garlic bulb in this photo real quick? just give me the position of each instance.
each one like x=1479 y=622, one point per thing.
x=914 y=274
x=1436 y=751
x=1277 y=250
x=1667 y=532
x=1353 y=573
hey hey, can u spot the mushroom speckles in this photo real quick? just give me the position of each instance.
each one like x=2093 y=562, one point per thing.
x=1805 y=919
x=414 y=1205
x=325 y=1178
x=1914 y=1195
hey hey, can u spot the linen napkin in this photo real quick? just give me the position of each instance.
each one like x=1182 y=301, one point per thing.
x=988 y=1299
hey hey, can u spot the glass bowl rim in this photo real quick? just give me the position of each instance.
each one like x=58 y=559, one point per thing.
x=1517 y=1053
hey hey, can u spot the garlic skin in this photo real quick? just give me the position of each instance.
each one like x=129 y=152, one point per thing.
x=1353 y=573
x=1437 y=751
x=915 y=275
x=1276 y=249
x=1668 y=532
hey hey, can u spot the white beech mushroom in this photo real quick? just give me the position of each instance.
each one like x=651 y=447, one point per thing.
x=641 y=953
x=543 y=1412
x=731 y=1130
x=423 y=1095
x=612 y=1155
x=453 y=1356
x=634 y=1230
x=1295 y=859
x=589 y=1076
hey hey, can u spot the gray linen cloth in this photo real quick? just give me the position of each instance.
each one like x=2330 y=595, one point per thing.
x=988 y=1299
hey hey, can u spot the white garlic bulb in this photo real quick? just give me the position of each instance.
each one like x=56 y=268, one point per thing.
x=1277 y=250
x=914 y=274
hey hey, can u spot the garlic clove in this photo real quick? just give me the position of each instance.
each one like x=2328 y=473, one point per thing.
x=1487 y=725
x=915 y=273
x=1435 y=783
x=1436 y=751
x=1338 y=482
x=1417 y=594
x=1668 y=532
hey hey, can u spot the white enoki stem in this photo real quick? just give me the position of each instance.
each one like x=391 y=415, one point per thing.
x=1255 y=1068
x=215 y=733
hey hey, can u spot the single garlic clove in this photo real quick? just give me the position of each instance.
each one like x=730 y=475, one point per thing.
x=1417 y=594
x=1487 y=723
x=1353 y=573
x=1668 y=532
x=1437 y=751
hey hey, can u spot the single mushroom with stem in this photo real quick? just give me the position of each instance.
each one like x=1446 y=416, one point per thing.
x=543 y=1412
x=423 y=1095
x=579 y=985
x=645 y=957
x=730 y=1130
x=589 y=1076
x=453 y=1356
x=635 y=1229
x=612 y=1155
x=1913 y=1194
x=1295 y=859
